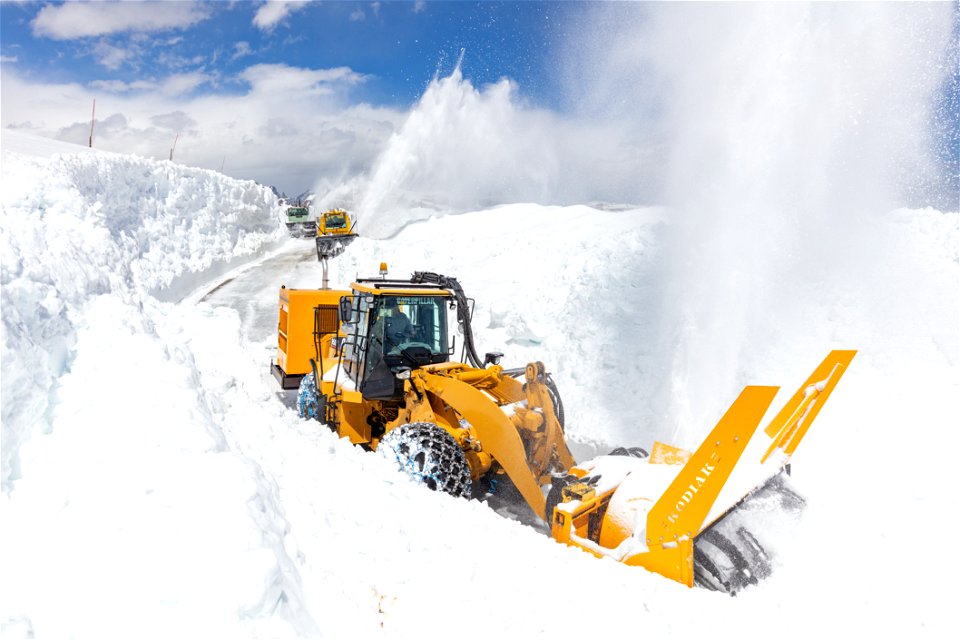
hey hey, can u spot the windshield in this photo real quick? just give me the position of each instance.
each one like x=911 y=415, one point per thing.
x=411 y=325
x=336 y=221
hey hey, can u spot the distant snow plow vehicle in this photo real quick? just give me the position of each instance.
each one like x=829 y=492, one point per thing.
x=335 y=231
x=335 y=222
x=299 y=223
x=375 y=364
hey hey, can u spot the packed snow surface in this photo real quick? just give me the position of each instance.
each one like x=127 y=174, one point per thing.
x=157 y=484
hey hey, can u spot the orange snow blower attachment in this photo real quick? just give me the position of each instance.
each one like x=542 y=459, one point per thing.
x=653 y=512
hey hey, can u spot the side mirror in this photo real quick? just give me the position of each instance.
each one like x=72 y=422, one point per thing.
x=492 y=358
x=346 y=309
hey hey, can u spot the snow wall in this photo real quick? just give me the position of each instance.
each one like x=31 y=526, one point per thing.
x=103 y=411
x=79 y=226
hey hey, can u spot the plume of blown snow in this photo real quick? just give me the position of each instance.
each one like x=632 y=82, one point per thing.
x=464 y=148
x=789 y=128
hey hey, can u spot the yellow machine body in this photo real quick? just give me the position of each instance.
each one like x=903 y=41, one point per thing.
x=307 y=322
x=334 y=222
x=646 y=512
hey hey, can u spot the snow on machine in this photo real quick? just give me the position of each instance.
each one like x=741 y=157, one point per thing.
x=376 y=364
x=335 y=231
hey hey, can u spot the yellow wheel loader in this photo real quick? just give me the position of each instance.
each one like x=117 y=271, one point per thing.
x=377 y=364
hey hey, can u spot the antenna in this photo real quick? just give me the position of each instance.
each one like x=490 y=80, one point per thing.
x=93 y=115
x=174 y=146
x=221 y=164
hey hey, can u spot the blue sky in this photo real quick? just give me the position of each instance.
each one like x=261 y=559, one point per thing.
x=398 y=46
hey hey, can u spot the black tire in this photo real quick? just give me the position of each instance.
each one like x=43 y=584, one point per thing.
x=430 y=456
x=555 y=495
x=308 y=401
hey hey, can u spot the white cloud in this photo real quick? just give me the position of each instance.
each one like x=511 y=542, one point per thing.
x=110 y=56
x=87 y=19
x=8 y=59
x=280 y=77
x=241 y=49
x=419 y=6
x=273 y=12
x=182 y=83
x=292 y=128
x=174 y=121
x=357 y=15
x=118 y=86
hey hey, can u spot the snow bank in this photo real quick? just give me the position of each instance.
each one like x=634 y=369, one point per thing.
x=85 y=224
x=115 y=470
x=135 y=499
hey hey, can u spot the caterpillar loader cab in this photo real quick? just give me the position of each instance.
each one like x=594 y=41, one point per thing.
x=379 y=364
x=390 y=331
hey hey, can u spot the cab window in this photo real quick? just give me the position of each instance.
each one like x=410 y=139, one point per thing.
x=335 y=222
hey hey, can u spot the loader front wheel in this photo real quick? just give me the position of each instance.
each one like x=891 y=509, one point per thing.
x=430 y=456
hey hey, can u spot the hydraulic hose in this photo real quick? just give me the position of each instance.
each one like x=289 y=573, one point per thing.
x=463 y=310
x=463 y=317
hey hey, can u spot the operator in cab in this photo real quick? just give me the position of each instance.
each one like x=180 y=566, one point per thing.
x=397 y=325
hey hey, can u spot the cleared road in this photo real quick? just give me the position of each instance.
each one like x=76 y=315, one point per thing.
x=253 y=292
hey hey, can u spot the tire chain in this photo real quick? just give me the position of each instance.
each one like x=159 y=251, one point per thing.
x=430 y=456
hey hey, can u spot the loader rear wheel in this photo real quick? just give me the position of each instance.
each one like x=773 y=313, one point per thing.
x=308 y=402
x=430 y=456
